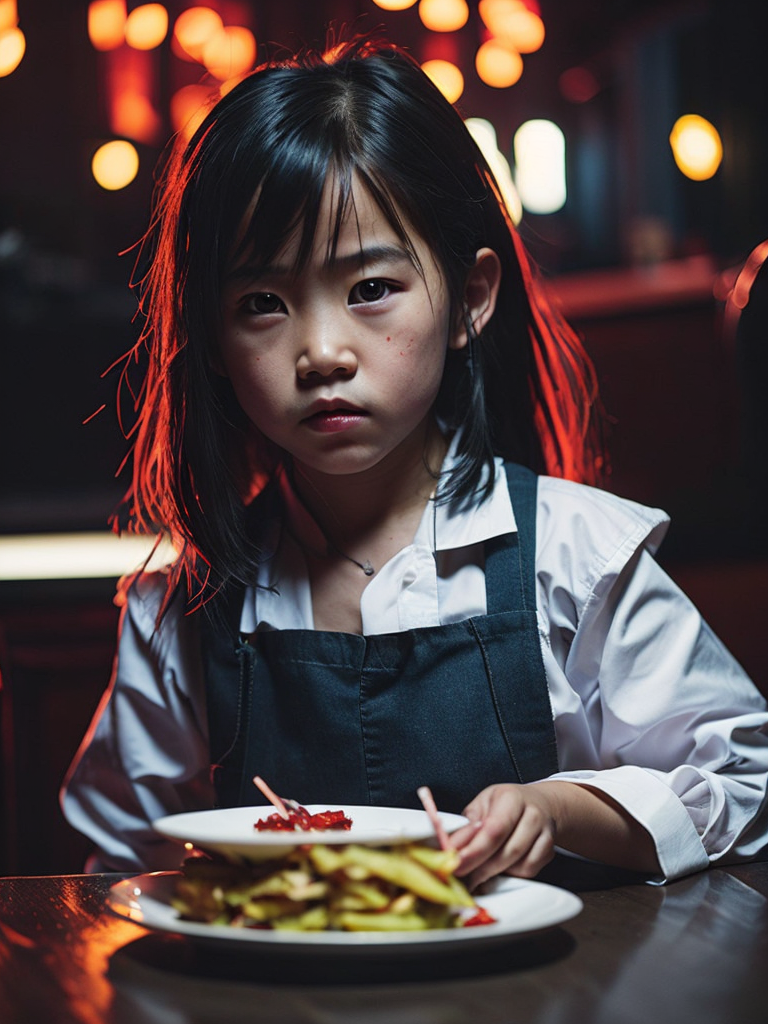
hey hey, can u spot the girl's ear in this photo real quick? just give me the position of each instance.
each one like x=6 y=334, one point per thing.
x=480 y=292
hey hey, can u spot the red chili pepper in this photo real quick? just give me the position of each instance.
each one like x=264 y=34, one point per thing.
x=301 y=820
x=480 y=917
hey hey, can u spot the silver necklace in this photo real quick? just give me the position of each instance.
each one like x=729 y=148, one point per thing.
x=331 y=550
x=366 y=566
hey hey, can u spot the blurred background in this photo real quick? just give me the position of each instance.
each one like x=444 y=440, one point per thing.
x=631 y=140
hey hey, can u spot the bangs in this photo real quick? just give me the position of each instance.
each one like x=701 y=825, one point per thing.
x=288 y=205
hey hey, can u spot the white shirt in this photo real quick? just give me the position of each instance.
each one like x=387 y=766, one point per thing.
x=648 y=705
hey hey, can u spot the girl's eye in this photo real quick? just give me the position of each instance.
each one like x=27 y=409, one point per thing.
x=264 y=303
x=372 y=290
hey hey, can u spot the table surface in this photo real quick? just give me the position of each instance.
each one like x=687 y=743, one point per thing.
x=695 y=950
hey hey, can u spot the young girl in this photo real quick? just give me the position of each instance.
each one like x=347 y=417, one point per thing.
x=349 y=369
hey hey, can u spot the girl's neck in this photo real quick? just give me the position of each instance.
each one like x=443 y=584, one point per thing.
x=356 y=509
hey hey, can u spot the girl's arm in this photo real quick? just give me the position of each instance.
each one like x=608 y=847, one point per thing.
x=146 y=752
x=514 y=830
x=662 y=738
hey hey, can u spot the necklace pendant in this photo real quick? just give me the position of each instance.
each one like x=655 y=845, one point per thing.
x=367 y=568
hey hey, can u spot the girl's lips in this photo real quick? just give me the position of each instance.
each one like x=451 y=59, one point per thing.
x=331 y=421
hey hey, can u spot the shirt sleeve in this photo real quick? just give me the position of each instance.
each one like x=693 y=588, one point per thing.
x=145 y=754
x=652 y=709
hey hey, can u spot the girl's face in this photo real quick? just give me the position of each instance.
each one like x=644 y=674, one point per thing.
x=340 y=365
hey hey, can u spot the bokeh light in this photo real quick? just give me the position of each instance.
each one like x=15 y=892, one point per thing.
x=106 y=24
x=446 y=76
x=9 y=15
x=696 y=147
x=230 y=52
x=578 y=85
x=394 y=5
x=133 y=114
x=484 y=134
x=13 y=45
x=443 y=15
x=188 y=108
x=115 y=164
x=539 y=148
x=146 y=26
x=192 y=30
x=513 y=22
x=497 y=65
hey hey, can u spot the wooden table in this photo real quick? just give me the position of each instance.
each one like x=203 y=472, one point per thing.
x=693 y=951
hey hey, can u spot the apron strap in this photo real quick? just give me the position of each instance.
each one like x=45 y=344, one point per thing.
x=524 y=712
x=510 y=560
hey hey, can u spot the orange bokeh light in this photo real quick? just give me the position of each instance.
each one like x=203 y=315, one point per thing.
x=132 y=95
x=132 y=114
x=115 y=164
x=230 y=52
x=9 y=15
x=188 y=108
x=696 y=147
x=446 y=76
x=146 y=26
x=394 y=5
x=443 y=15
x=192 y=30
x=13 y=45
x=498 y=65
x=514 y=23
x=106 y=24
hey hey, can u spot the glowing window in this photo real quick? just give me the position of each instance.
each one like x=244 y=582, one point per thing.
x=539 y=148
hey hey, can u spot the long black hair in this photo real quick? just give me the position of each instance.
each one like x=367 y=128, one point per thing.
x=523 y=389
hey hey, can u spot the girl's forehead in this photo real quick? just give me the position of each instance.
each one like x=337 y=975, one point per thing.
x=348 y=219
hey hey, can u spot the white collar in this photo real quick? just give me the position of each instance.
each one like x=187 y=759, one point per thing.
x=283 y=594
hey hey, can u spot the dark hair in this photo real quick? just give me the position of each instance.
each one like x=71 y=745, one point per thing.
x=524 y=389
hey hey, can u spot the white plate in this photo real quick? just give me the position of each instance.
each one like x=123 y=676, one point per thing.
x=231 y=831
x=519 y=907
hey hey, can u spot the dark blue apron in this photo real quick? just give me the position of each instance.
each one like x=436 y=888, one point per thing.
x=342 y=718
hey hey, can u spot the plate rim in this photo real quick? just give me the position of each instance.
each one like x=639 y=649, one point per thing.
x=126 y=904
x=169 y=826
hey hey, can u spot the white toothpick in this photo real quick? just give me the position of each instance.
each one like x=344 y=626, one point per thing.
x=424 y=794
x=273 y=798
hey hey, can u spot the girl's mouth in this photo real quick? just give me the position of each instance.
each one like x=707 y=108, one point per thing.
x=332 y=421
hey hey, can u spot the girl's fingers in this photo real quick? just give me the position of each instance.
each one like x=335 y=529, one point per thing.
x=464 y=835
x=539 y=855
x=524 y=852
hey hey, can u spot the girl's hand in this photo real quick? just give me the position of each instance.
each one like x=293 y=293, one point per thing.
x=511 y=831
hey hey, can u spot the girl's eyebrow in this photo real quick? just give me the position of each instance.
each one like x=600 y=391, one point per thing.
x=377 y=254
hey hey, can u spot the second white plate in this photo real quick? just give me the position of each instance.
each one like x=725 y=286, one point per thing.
x=231 y=830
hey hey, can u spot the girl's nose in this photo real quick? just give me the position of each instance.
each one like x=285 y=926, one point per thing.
x=326 y=353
